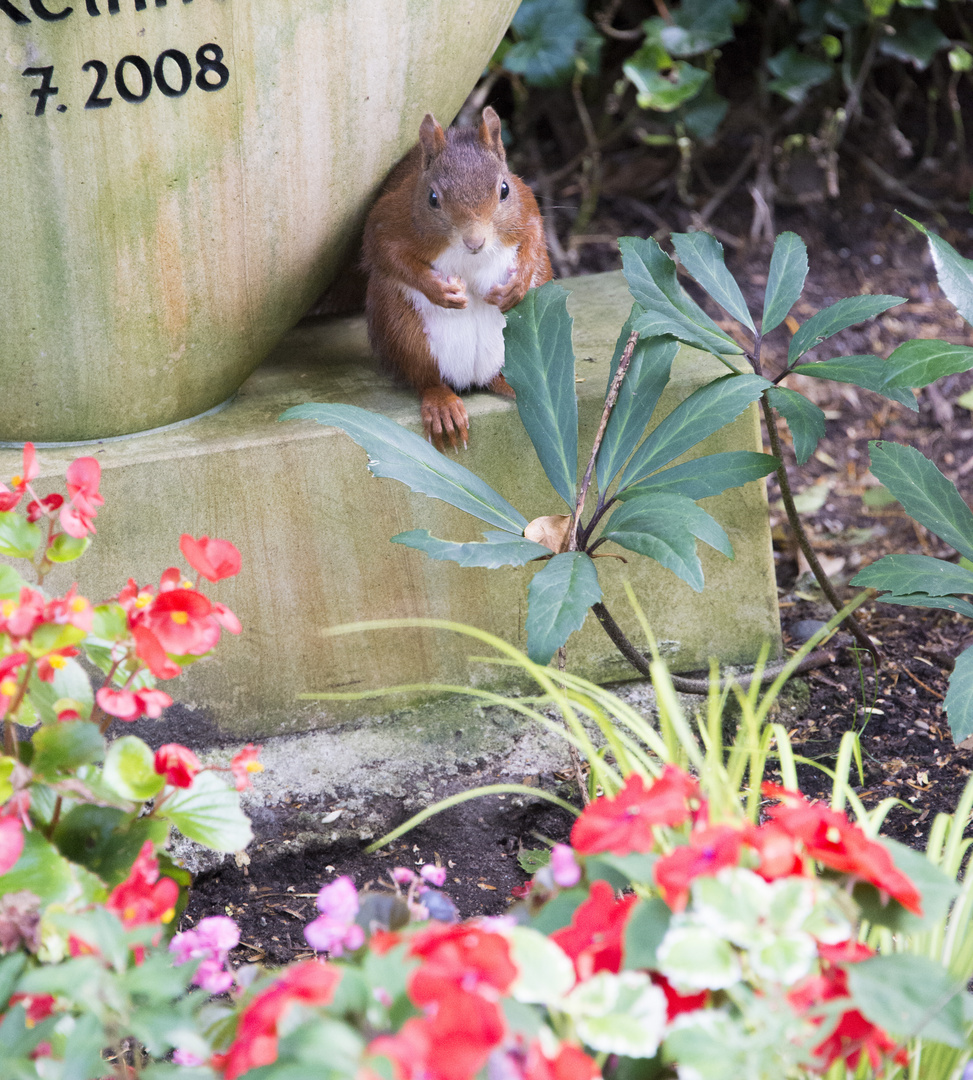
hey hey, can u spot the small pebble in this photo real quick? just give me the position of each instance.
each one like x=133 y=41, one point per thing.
x=804 y=629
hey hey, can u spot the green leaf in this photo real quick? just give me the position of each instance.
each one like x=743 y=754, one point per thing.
x=959 y=697
x=806 y=421
x=651 y=277
x=539 y=365
x=10 y=968
x=110 y=622
x=530 y=860
x=70 y=681
x=557 y=602
x=10 y=582
x=400 y=454
x=209 y=813
x=704 y=477
x=546 y=971
x=955 y=273
x=705 y=410
x=922 y=361
x=18 y=537
x=130 y=770
x=698 y=26
x=665 y=528
x=105 y=839
x=785 y=279
x=915 y=574
x=66 y=548
x=500 y=549
x=558 y=913
x=49 y=637
x=702 y=256
x=63 y=747
x=697 y=957
x=868 y=372
x=646 y=378
x=667 y=92
x=42 y=870
x=644 y=930
x=620 y=871
x=915 y=41
x=838 y=316
x=910 y=995
x=797 y=73
x=924 y=493
x=549 y=34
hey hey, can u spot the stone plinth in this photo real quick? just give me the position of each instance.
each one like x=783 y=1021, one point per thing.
x=313 y=527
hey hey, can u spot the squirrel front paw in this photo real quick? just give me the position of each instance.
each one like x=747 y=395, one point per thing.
x=447 y=292
x=444 y=417
x=507 y=294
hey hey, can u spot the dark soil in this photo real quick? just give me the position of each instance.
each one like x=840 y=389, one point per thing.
x=856 y=244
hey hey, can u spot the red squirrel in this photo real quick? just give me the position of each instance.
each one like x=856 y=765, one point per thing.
x=453 y=242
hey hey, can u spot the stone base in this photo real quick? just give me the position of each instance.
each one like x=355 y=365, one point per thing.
x=313 y=527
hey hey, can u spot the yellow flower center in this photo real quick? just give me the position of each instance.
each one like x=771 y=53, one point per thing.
x=16 y=481
x=79 y=604
x=143 y=599
x=58 y=662
x=833 y=835
x=254 y=766
x=168 y=916
x=180 y=618
x=8 y=688
x=8 y=607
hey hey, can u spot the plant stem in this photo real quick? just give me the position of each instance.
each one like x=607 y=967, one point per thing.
x=610 y=399
x=794 y=519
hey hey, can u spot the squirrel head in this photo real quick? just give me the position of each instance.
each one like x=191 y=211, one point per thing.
x=465 y=187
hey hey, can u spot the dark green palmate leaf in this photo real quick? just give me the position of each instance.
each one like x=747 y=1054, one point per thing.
x=924 y=493
x=839 y=316
x=922 y=361
x=955 y=273
x=651 y=276
x=806 y=421
x=499 y=549
x=785 y=279
x=868 y=372
x=665 y=528
x=557 y=602
x=400 y=454
x=959 y=697
x=706 y=476
x=646 y=378
x=905 y=574
x=549 y=32
x=698 y=26
x=910 y=995
x=702 y=256
x=106 y=840
x=705 y=410
x=539 y=365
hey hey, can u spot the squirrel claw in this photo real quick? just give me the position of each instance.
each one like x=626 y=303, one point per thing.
x=444 y=418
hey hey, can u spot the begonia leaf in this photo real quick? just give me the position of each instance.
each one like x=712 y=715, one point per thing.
x=64 y=548
x=18 y=537
x=129 y=769
x=62 y=747
x=105 y=839
x=70 y=681
x=209 y=812
x=10 y=582
x=42 y=870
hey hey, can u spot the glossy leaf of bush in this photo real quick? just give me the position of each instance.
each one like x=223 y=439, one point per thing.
x=646 y=378
x=400 y=454
x=558 y=599
x=837 y=317
x=539 y=365
x=704 y=477
x=868 y=372
x=498 y=549
x=806 y=420
x=702 y=256
x=785 y=279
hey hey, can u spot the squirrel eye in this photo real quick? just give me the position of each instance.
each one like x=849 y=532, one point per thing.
x=433 y=199
x=504 y=190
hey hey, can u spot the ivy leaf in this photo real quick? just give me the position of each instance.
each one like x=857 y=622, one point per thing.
x=557 y=602
x=702 y=256
x=665 y=528
x=797 y=73
x=500 y=549
x=539 y=365
x=549 y=33
x=785 y=279
x=838 y=316
x=400 y=454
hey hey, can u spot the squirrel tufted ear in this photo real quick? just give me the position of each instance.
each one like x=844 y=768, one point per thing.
x=432 y=138
x=490 y=132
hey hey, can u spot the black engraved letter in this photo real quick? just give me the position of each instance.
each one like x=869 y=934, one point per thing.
x=45 y=90
x=49 y=16
x=8 y=9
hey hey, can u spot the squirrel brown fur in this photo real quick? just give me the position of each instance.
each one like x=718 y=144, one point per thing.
x=453 y=242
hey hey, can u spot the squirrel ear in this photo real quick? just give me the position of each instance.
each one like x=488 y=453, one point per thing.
x=432 y=139
x=490 y=132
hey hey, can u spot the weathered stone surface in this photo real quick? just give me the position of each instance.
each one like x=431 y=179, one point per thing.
x=179 y=181
x=313 y=527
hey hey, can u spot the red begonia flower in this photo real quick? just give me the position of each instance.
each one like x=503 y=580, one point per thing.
x=623 y=823
x=677 y=1003
x=179 y=618
x=178 y=764
x=10 y=498
x=255 y=1045
x=594 y=938
x=709 y=850
x=831 y=839
x=149 y=650
x=214 y=559
x=83 y=477
x=48 y=666
x=570 y=1063
x=245 y=763
x=36 y=509
x=144 y=896
x=118 y=703
x=459 y=955
x=11 y=842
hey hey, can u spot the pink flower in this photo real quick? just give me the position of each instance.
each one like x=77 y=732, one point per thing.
x=244 y=764
x=178 y=764
x=129 y=705
x=10 y=498
x=210 y=943
x=214 y=559
x=335 y=928
x=83 y=477
x=144 y=896
x=11 y=842
x=402 y=875
x=435 y=875
x=564 y=868
x=709 y=850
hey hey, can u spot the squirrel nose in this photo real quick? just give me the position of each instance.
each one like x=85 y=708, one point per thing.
x=474 y=242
